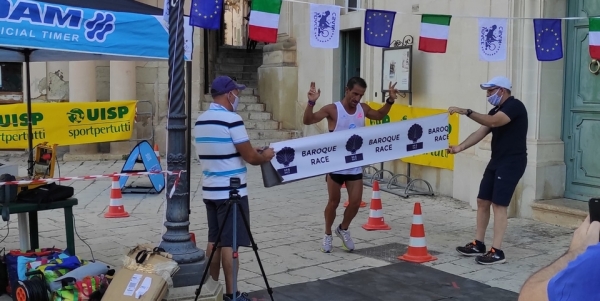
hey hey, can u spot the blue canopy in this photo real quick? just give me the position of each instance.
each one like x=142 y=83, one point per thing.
x=58 y=32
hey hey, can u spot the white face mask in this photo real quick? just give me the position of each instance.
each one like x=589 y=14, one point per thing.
x=494 y=99
x=235 y=103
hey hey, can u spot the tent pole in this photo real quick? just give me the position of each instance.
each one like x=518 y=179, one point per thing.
x=27 y=53
x=177 y=238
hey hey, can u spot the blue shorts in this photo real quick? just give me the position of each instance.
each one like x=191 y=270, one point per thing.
x=215 y=213
x=500 y=180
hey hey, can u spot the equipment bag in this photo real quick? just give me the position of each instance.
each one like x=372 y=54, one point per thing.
x=46 y=194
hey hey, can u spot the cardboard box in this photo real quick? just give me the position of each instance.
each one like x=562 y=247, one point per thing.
x=124 y=286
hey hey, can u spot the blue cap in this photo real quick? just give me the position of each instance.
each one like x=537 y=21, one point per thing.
x=224 y=84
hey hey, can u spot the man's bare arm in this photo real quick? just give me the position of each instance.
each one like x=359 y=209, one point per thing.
x=536 y=287
x=376 y=114
x=475 y=137
x=311 y=117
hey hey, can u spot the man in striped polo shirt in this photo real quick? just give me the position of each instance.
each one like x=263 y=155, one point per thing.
x=223 y=147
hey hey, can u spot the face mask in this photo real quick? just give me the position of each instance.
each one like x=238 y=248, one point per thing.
x=494 y=100
x=235 y=102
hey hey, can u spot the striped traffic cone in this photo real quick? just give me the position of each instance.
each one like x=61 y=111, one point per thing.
x=116 y=208
x=376 y=221
x=417 y=248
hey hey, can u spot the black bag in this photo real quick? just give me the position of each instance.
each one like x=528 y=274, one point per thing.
x=8 y=193
x=46 y=194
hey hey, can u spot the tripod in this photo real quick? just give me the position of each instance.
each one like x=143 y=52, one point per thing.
x=234 y=202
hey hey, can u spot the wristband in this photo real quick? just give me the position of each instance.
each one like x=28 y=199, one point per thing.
x=311 y=103
x=389 y=102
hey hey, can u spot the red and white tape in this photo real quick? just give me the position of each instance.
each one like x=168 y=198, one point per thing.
x=94 y=177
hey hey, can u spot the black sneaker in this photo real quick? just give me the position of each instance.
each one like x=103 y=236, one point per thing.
x=474 y=248
x=492 y=257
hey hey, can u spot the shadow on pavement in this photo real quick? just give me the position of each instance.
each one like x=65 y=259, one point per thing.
x=400 y=281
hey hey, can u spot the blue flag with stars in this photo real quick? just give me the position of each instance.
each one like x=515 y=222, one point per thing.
x=378 y=27
x=548 y=39
x=206 y=13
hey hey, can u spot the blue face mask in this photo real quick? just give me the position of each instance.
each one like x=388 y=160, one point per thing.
x=494 y=99
x=235 y=103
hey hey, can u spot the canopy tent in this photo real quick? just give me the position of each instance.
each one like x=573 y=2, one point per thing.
x=78 y=30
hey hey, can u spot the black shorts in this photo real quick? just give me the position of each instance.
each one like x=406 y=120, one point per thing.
x=215 y=213
x=500 y=180
x=341 y=179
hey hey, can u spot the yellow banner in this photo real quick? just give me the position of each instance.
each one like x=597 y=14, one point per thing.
x=439 y=159
x=66 y=123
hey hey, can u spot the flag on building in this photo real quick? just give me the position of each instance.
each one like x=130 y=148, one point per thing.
x=492 y=39
x=324 y=26
x=264 y=20
x=206 y=13
x=378 y=27
x=594 y=38
x=548 y=39
x=435 y=30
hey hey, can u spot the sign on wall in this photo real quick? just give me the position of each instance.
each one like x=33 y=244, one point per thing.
x=397 y=68
x=437 y=158
x=66 y=123
x=320 y=154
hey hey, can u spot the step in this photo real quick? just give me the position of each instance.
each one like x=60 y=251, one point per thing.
x=248 y=83
x=243 y=106
x=261 y=125
x=267 y=142
x=237 y=53
x=243 y=98
x=561 y=212
x=239 y=75
x=272 y=135
x=251 y=61
x=248 y=115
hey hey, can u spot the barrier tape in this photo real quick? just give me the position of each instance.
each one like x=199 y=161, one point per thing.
x=94 y=177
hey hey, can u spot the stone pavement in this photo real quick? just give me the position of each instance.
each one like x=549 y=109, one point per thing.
x=287 y=223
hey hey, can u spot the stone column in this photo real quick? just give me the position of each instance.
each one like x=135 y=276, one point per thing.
x=57 y=81
x=82 y=88
x=123 y=82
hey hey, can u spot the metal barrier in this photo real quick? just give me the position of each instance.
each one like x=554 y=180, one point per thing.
x=393 y=184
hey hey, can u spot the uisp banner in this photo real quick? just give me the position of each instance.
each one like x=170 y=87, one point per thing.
x=67 y=123
x=320 y=154
x=439 y=158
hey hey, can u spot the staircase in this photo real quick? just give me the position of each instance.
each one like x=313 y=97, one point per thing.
x=262 y=129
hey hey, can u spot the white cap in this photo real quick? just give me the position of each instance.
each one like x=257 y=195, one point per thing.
x=498 y=81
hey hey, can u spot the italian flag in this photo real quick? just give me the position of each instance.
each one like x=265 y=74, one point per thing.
x=264 y=20
x=595 y=38
x=434 y=33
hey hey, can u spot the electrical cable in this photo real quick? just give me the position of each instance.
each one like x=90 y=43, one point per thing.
x=7 y=232
x=75 y=229
x=34 y=289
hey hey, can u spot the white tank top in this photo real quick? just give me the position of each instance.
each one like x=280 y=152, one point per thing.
x=344 y=122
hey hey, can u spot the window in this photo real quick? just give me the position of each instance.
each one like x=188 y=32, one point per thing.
x=11 y=83
x=12 y=77
x=352 y=5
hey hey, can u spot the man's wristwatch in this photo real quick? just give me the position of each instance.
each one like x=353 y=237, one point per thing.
x=388 y=101
x=469 y=112
x=311 y=103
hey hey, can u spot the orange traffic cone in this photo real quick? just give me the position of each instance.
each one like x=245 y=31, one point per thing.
x=157 y=152
x=417 y=248
x=116 y=208
x=376 y=221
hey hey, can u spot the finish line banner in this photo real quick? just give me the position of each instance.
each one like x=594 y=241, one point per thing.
x=440 y=158
x=320 y=154
x=66 y=123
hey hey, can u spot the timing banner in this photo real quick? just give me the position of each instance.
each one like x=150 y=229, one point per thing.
x=320 y=154
x=67 y=123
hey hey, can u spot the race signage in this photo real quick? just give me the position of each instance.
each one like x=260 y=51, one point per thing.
x=66 y=123
x=320 y=154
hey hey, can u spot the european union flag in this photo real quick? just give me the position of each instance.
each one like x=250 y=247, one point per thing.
x=548 y=39
x=378 y=27
x=206 y=13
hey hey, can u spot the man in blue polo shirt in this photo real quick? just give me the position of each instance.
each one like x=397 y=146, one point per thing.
x=223 y=147
x=572 y=277
x=508 y=123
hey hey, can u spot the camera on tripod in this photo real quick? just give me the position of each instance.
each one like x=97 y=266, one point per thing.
x=234 y=184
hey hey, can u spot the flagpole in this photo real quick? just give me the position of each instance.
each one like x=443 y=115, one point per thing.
x=177 y=240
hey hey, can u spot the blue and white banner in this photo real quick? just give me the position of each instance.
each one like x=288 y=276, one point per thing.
x=320 y=154
x=59 y=32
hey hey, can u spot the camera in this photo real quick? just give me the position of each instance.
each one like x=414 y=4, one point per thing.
x=235 y=183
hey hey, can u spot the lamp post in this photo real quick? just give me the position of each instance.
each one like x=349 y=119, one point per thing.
x=177 y=240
